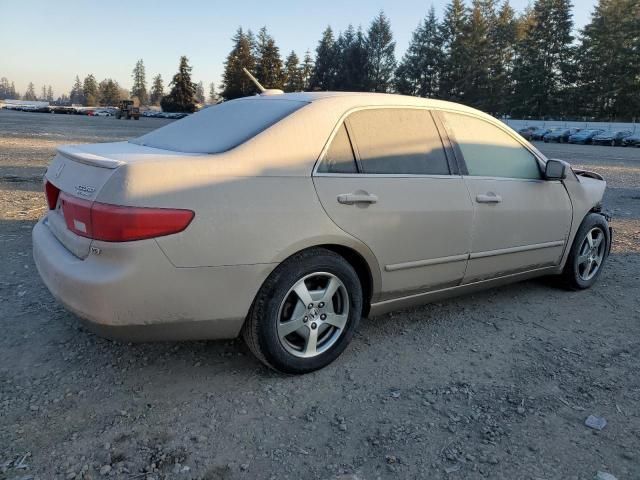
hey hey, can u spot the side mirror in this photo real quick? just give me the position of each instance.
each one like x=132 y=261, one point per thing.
x=555 y=170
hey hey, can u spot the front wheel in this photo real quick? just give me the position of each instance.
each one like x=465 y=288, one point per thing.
x=588 y=253
x=306 y=313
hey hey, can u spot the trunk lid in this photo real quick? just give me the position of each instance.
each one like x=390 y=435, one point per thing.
x=81 y=171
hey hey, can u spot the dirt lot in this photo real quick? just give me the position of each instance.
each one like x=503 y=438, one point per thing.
x=495 y=385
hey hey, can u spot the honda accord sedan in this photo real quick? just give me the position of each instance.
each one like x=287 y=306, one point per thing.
x=285 y=218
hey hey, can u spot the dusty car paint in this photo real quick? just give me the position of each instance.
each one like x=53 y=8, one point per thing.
x=260 y=202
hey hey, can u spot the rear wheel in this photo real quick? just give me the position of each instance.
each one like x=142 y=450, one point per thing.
x=588 y=253
x=306 y=313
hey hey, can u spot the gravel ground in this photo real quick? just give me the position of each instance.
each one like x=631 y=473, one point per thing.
x=494 y=385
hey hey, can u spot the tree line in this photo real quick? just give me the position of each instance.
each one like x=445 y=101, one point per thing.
x=482 y=54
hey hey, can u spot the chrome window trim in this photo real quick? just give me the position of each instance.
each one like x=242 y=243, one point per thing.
x=510 y=179
x=384 y=175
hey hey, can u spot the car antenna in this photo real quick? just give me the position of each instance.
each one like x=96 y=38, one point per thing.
x=263 y=91
x=254 y=80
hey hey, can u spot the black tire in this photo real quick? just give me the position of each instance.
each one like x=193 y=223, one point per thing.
x=260 y=330
x=570 y=277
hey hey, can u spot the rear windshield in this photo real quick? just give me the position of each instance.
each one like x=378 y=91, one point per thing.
x=220 y=128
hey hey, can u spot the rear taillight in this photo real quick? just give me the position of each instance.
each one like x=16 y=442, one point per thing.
x=114 y=223
x=51 y=192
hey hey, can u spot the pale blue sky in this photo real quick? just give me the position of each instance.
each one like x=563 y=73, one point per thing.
x=47 y=41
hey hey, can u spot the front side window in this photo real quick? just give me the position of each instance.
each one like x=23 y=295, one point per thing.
x=339 y=157
x=490 y=151
x=398 y=141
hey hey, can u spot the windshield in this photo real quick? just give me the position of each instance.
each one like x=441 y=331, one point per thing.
x=221 y=127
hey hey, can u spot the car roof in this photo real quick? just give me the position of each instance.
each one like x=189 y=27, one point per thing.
x=362 y=99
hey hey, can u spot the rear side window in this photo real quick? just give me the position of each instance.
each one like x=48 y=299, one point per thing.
x=339 y=157
x=398 y=141
x=221 y=127
x=490 y=151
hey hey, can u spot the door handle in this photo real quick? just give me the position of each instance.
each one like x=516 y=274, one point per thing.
x=489 y=197
x=351 y=198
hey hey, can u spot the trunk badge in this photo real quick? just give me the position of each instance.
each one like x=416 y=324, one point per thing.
x=85 y=190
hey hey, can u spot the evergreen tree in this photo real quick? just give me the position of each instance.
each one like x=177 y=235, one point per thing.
x=351 y=50
x=139 y=88
x=503 y=39
x=543 y=61
x=306 y=70
x=5 y=88
x=200 y=93
x=30 y=94
x=293 y=74
x=76 y=96
x=90 y=90
x=343 y=45
x=49 y=94
x=213 y=95
x=325 y=69
x=381 y=61
x=268 y=62
x=157 y=90
x=610 y=62
x=420 y=69
x=235 y=83
x=477 y=54
x=43 y=93
x=13 y=94
x=108 y=92
x=182 y=97
x=452 y=31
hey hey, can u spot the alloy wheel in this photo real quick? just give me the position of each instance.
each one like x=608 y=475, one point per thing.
x=313 y=315
x=592 y=252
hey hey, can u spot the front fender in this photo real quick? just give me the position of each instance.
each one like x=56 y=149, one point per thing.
x=586 y=190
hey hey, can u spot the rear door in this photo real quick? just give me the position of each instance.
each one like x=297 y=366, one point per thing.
x=386 y=179
x=521 y=221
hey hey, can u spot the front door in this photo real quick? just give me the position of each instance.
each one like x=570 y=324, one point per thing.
x=386 y=180
x=521 y=221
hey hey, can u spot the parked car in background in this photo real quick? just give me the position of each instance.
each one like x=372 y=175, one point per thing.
x=631 y=140
x=526 y=132
x=611 y=138
x=584 y=137
x=285 y=218
x=173 y=115
x=102 y=113
x=560 y=135
x=552 y=131
x=540 y=133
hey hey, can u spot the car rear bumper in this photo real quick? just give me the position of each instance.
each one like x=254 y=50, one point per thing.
x=131 y=290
